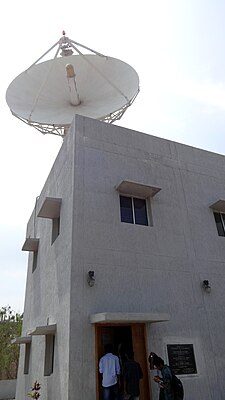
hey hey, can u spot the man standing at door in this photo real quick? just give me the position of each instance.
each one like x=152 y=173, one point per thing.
x=109 y=367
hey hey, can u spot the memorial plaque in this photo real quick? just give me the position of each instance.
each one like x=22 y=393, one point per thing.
x=182 y=359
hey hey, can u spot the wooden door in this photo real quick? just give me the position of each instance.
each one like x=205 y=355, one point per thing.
x=105 y=334
x=139 y=348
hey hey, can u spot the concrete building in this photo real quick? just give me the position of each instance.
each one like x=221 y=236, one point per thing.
x=126 y=245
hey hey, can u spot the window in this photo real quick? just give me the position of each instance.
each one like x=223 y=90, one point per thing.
x=35 y=257
x=135 y=202
x=133 y=210
x=32 y=245
x=27 y=358
x=50 y=208
x=55 y=228
x=27 y=341
x=49 y=332
x=49 y=354
x=220 y=223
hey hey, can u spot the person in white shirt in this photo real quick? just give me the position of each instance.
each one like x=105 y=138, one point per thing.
x=109 y=367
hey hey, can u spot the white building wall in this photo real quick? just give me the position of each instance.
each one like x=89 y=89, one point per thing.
x=156 y=268
x=149 y=269
x=47 y=299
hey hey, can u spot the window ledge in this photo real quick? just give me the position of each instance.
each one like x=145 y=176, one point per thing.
x=50 y=208
x=43 y=330
x=31 y=244
x=137 y=189
x=121 y=317
x=21 y=340
x=219 y=205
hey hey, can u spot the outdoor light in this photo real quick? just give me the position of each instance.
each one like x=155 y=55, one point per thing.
x=206 y=285
x=91 y=278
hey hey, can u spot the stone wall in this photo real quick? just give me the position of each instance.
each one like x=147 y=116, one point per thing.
x=7 y=389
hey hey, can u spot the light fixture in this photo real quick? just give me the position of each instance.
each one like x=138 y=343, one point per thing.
x=91 y=278
x=206 y=285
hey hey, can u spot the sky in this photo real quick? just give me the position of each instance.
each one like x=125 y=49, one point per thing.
x=177 y=48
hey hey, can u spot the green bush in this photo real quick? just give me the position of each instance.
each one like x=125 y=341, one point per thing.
x=10 y=327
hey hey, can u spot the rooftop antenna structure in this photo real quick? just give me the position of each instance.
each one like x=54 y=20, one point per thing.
x=48 y=94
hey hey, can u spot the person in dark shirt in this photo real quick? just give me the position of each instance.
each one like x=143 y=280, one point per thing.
x=165 y=380
x=132 y=374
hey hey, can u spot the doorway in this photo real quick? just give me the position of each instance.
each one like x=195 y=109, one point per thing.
x=124 y=337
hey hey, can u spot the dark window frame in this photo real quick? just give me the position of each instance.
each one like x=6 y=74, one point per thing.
x=27 y=358
x=220 y=222
x=134 y=210
x=49 y=354
x=55 y=228
x=34 y=260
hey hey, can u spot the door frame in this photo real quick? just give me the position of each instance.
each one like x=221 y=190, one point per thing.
x=139 y=342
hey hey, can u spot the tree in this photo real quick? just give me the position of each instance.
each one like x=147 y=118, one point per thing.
x=10 y=327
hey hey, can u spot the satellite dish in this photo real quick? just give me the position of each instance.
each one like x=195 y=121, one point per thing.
x=48 y=94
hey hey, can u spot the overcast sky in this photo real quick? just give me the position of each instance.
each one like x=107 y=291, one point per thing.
x=177 y=48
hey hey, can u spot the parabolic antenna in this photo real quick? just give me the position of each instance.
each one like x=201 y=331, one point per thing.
x=48 y=94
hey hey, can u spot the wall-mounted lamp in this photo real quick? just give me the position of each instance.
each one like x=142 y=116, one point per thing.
x=206 y=285
x=91 y=278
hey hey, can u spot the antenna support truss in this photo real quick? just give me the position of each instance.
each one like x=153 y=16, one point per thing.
x=66 y=48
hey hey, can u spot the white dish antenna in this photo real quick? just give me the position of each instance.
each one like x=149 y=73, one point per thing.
x=48 y=94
